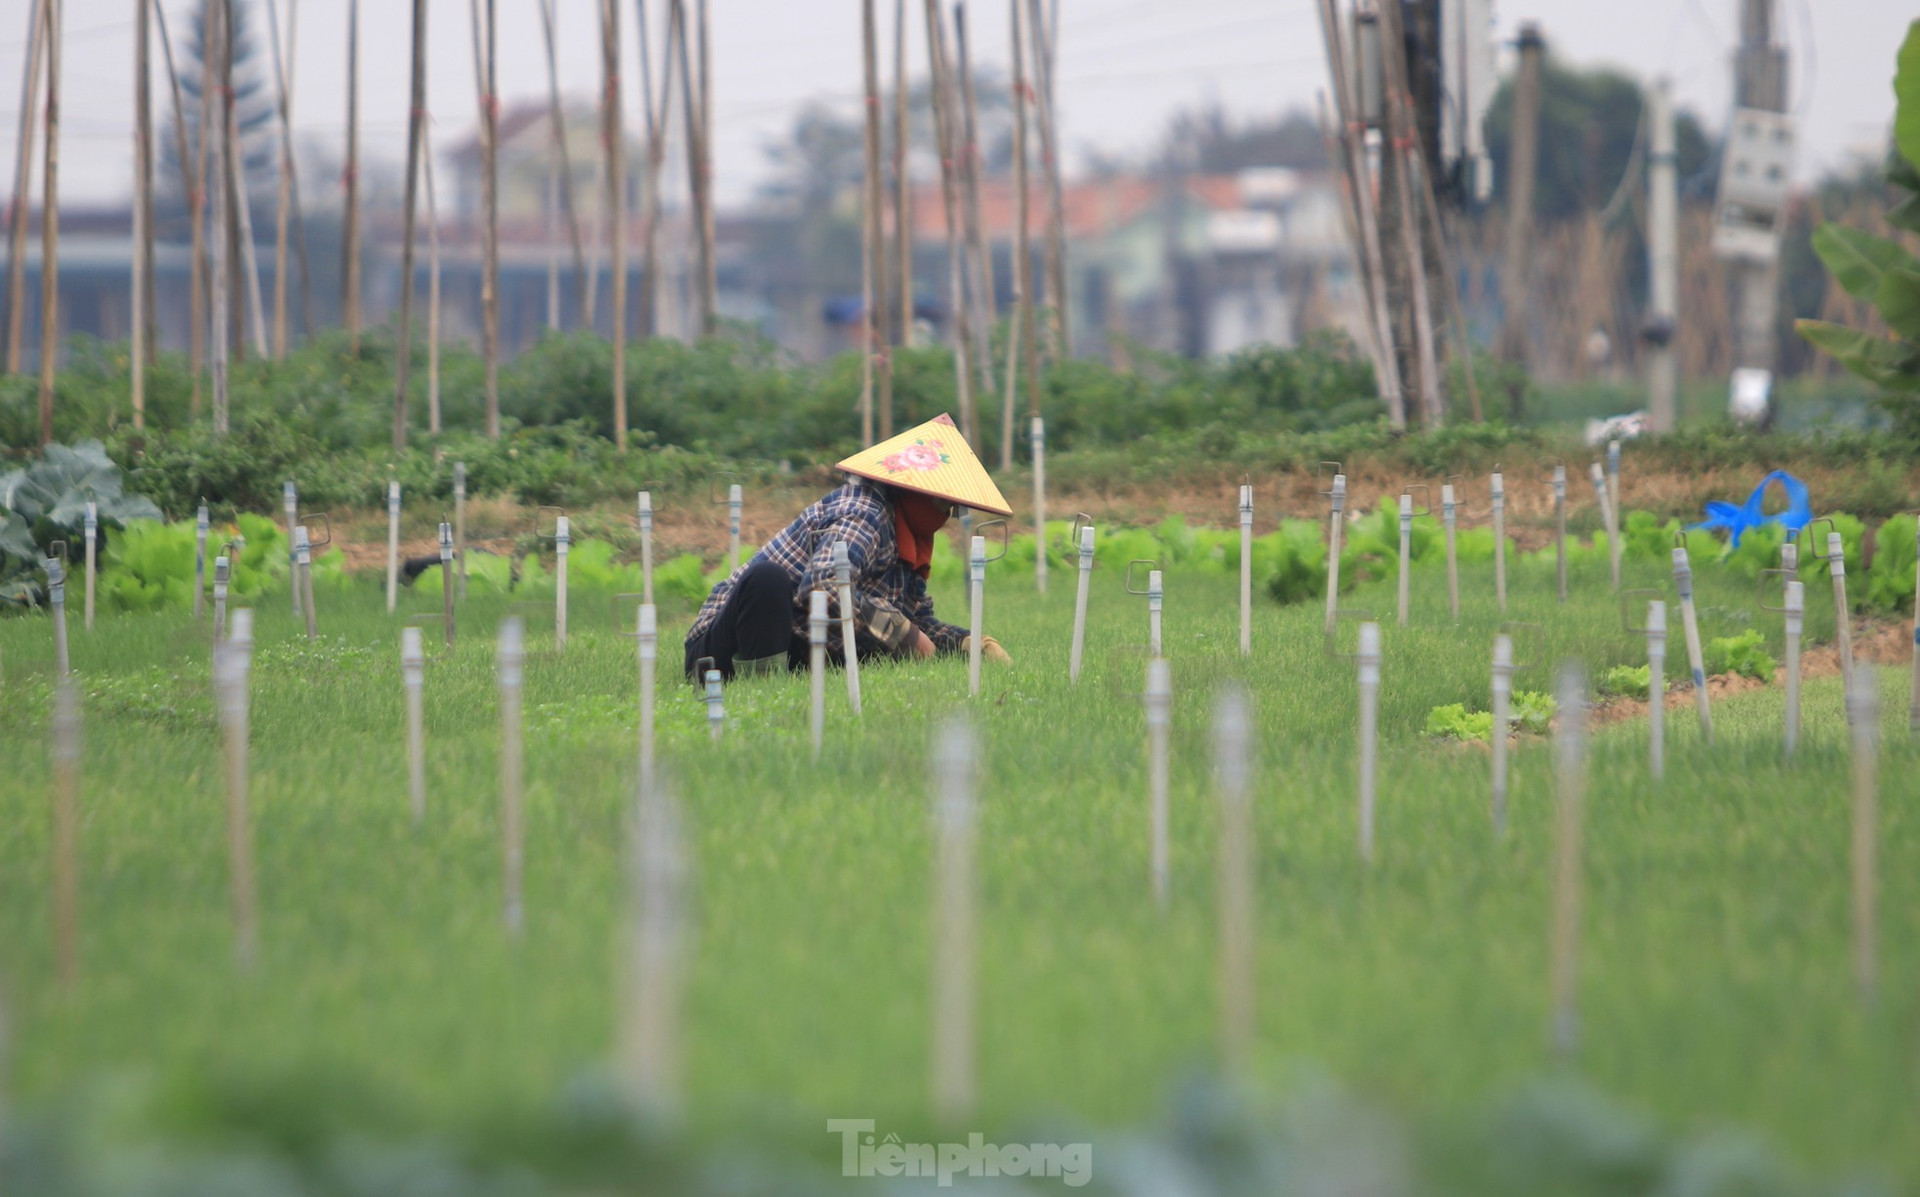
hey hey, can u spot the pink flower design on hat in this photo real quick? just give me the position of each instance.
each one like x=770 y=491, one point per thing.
x=917 y=456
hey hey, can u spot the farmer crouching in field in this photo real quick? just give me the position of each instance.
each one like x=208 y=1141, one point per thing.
x=900 y=494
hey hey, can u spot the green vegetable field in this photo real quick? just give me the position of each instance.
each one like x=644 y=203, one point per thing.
x=391 y=1038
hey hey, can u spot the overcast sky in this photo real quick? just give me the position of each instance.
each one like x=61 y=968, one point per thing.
x=1125 y=66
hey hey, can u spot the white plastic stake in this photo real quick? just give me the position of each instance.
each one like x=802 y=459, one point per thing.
x=716 y=707
x=1502 y=716
x=1406 y=553
x=1336 y=524
x=1369 y=658
x=303 y=577
x=1690 y=624
x=648 y=628
x=1570 y=778
x=1607 y=521
x=1156 y=602
x=1657 y=689
x=1080 y=603
x=92 y=533
x=1233 y=780
x=290 y=503
x=201 y=524
x=57 y=600
x=1159 y=719
x=660 y=880
x=955 y=757
x=1246 y=570
x=1796 y=615
x=233 y=661
x=511 y=657
x=1500 y=541
x=413 y=666
x=843 y=582
x=1863 y=712
x=1560 y=528
x=447 y=583
x=646 y=546
x=562 y=541
x=817 y=653
x=976 y=591
x=1842 y=615
x=733 y=528
x=66 y=833
x=1039 y=440
x=222 y=571
x=393 y=546
x=460 y=524
x=1449 y=520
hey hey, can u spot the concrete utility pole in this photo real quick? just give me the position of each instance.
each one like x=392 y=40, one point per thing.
x=1759 y=82
x=1663 y=257
x=1523 y=160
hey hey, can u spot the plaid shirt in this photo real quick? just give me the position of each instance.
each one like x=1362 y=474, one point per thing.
x=889 y=599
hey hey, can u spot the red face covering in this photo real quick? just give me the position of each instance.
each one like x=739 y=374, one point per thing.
x=916 y=519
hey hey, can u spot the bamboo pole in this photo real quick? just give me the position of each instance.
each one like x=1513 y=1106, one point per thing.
x=944 y=138
x=877 y=373
x=1387 y=374
x=984 y=304
x=202 y=280
x=242 y=230
x=656 y=118
x=557 y=117
x=283 y=206
x=350 y=176
x=1020 y=326
x=902 y=195
x=433 y=278
x=1059 y=326
x=416 y=129
x=293 y=169
x=483 y=74
x=709 y=279
x=142 y=211
x=615 y=150
x=17 y=211
x=1022 y=236
x=50 y=228
x=696 y=165
x=213 y=132
x=1431 y=403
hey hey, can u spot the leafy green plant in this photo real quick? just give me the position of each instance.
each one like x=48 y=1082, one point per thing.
x=1880 y=271
x=1627 y=681
x=1529 y=712
x=1890 y=579
x=1745 y=654
x=149 y=567
x=46 y=501
x=1532 y=711
x=1453 y=721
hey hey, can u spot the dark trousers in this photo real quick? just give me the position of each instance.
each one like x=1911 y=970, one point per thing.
x=756 y=622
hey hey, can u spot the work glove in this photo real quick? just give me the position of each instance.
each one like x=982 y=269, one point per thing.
x=989 y=648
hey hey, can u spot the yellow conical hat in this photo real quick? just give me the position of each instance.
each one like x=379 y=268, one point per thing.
x=933 y=459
